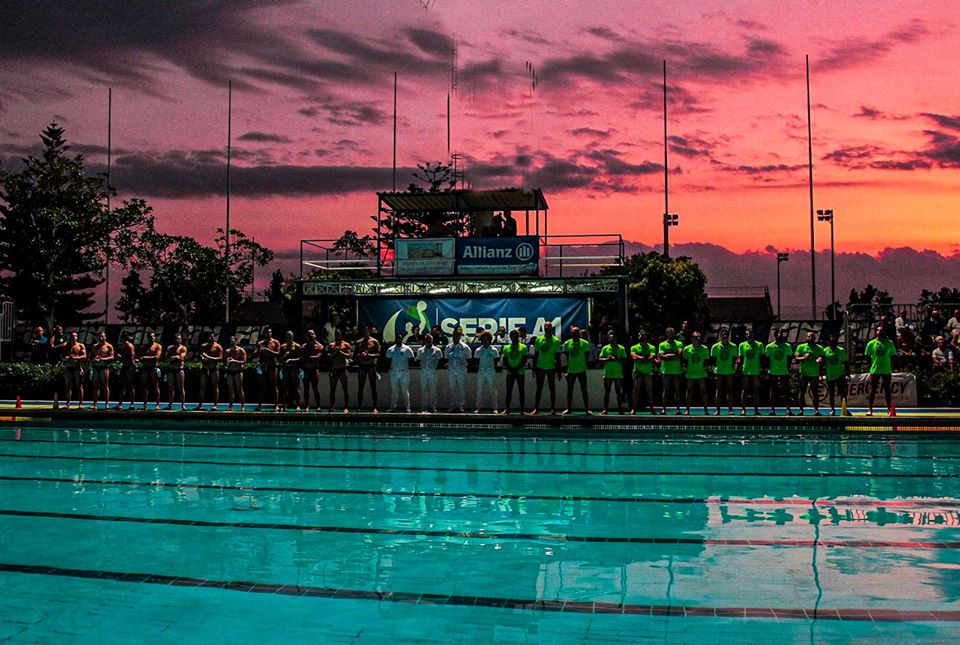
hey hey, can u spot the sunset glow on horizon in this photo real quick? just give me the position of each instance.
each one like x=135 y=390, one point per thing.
x=313 y=92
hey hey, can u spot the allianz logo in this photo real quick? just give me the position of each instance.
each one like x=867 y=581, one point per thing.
x=523 y=252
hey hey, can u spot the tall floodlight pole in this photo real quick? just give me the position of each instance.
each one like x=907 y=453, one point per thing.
x=666 y=174
x=394 y=132
x=226 y=244
x=813 y=253
x=826 y=215
x=781 y=258
x=106 y=281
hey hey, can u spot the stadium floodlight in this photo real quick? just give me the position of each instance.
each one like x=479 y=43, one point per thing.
x=781 y=258
x=671 y=219
x=826 y=215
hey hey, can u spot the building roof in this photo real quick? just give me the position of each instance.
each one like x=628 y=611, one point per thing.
x=509 y=199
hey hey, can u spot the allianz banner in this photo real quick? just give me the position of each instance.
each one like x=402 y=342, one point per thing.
x=498 y=255
x=473 y=314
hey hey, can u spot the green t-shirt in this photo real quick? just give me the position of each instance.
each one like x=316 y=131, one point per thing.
x=513 y=357
x=614 y=368
x=670 y=365
x=723 y=354
x=779 y=355
x=577 y=353
x=749 y=351
x=648 y=351
x=695 y=356
x=881 y=354
x=834 y=358
x=810 y=366
x=547 y=350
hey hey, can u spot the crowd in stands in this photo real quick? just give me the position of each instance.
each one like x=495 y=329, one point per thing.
x=650 y=375
x=932 y=345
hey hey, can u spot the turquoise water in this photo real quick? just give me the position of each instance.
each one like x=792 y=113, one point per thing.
x=146 y=535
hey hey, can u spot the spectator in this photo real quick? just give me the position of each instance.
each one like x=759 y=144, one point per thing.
x=39 y=346
x=953 y=325
x=496 y=226
x=902 y=320
x=57 y=342
x=509 y=225
x=328 y=329
x=501 y=338
x=906 y=346
x=933 y=326
x=942 y=356
x=415 y=337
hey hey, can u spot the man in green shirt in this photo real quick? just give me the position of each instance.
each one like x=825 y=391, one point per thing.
x=644 y=356
x=809 y=356
x=695 y=355
x=546 y=365
x=724 y=353
x=778 y=355
x=880 y=350
x=748 y=362
x=835 y=363
x=612 y=357
x=514 y=360
x=578 y=351
x=670 y=353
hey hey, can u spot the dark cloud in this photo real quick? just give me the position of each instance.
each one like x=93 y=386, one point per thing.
x=605 y=33
x=679 y=99
x=766 y=169
x=611 y=163
x=874 y=114
x=363 y=55
x=952 y=122
x=944 y=149
x=592 y=133
x=526 y=35
x=858 y=51
x=263 y=137
x=690 y=146
x=431 y=42
x=351 y=113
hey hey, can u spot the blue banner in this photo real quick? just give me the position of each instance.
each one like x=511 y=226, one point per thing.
x=498 y=255
x=473 y=314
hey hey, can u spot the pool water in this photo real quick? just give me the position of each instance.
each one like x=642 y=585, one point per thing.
x=199 y=535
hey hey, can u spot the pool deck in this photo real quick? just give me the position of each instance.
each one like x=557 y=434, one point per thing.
x=913 y=420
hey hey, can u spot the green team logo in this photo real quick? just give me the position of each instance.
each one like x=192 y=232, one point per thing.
x=408 y=317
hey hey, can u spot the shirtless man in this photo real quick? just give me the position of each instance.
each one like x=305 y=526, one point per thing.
x=368 y=351
x=211 y=352
x=340 y=352
x=311 y=352
x=290 y=359
x=74 y=354
x=267 y=353
x=174 y=358
x=127 y=354
x=103 y=355
x=235 y=357
x=150 y=355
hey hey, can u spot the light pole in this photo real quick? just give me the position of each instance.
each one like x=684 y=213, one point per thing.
x=781 y=258
x=669 y=219
x=826 y=215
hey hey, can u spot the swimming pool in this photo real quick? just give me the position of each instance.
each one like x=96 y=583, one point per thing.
x=199 y=535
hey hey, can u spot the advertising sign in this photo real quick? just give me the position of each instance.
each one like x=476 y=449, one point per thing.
x=473 y=314
x=903 y=390
x=430 y=256
x=498 y=255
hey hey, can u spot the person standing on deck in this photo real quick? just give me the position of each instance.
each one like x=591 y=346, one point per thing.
x=835 y=363
x=613 y=356
x=267 y=353
x=457 y=355
x=290 y=360
x=880 y=351
x=340 y=352
x=577 y=350
x=211 y=352
x=235 y=357
x=546 y=366
x=127 y=354
x=311 y=352
x=670 y=354
x=778 y=354
x=809 y=356
x=367 y=353
x=103 y=356
x=724 y=354
x=174 y=358
x=150 y=355
x=399 y=355
x=429 y=356
x=748 y=363
x=74 y=355
x=514 y=361
x=695 y=356
x=487 y=356
x=644 y=356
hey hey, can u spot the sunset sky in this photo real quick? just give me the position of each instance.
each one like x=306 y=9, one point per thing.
x=312 y=106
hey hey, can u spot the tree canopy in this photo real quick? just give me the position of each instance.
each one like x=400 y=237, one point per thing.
x=430 y=177
x=56 y=232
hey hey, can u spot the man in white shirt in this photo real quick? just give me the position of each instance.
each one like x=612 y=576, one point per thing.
x=487 y=355
x=953 y=325
x=399 y=356
x=428 y=356
x=457 y=355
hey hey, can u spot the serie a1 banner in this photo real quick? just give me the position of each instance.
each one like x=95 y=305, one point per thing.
x=498 y=255
x=473 y=314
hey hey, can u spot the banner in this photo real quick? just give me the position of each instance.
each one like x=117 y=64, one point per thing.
x=498 y=255
x=473 y=314
x=431 y=256
x=903 y=390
